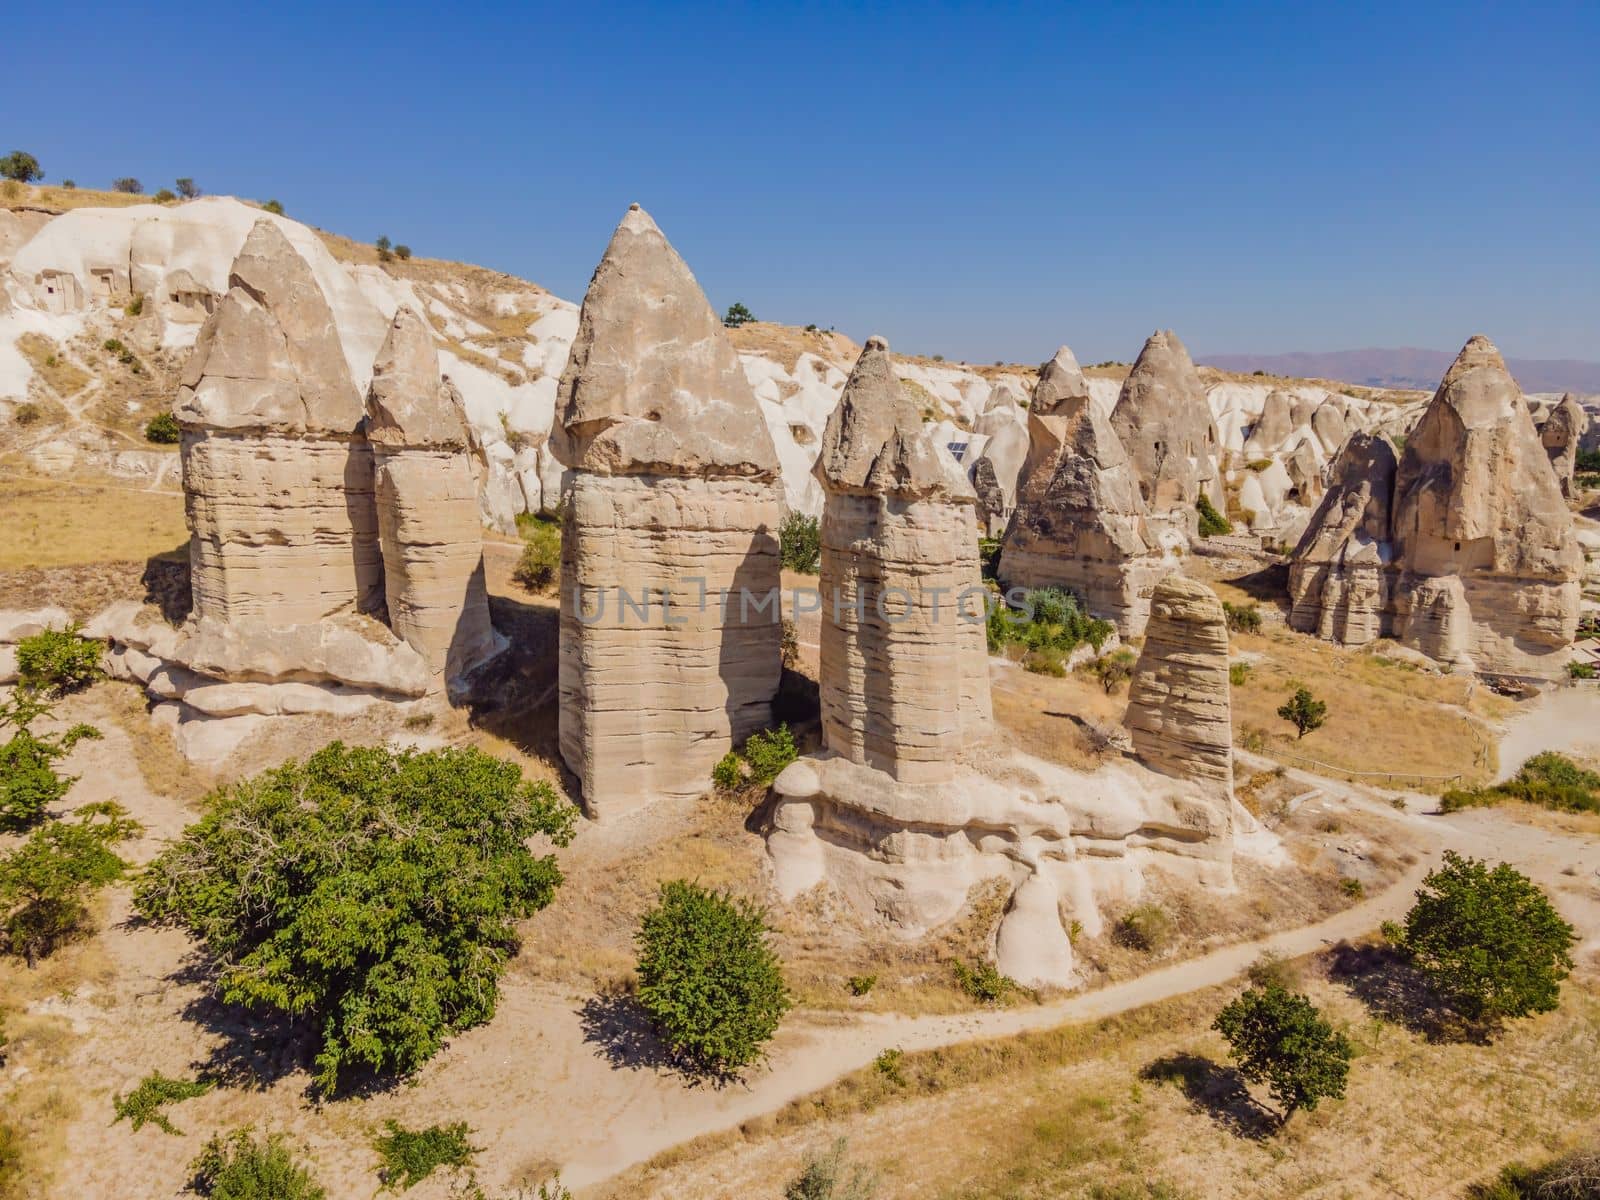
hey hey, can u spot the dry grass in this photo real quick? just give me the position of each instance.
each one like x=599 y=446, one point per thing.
x=50 y=524
x=51 y=366
x=786 y=343
x=1046 y=717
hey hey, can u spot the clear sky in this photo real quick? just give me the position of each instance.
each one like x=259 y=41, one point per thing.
x=981 y=182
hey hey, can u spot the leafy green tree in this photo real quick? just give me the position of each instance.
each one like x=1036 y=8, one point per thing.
x=59 y=660
x=539 y=567
x=769 y=752
x=737 y=315
x=374 y=892
x=244 y=1167
x=29 y=782
x=800 y=543
x=128 y=185
x=708 y=980
x=1304 y=712
x=402 y=252
x=186 y=187
x=46 y=882
x=21 y=166
x=1115 y=669
x=385 y=253
x=1279 y=1038
x=1488 y=939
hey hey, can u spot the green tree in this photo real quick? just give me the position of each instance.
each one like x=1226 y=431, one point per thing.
x=21 y=166
x=129 y=185
x=769 y=752
x=737 y=315
x=1304 y=712
x=29 y=782
x=708 y=980
x=58 y=661
x=1212 y=523
x=46 y=882
x=384 y=248
x=244 y=1167
x=1488 y=940
x=1115 y=669
x=163 y=429
x=374 y=892
x=539 y=566
x=186 y=188
x=800 y=543
x=402 y=252
x=1279 y=1038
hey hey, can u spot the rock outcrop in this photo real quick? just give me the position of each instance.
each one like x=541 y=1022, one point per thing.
x=904 y=664
x=1341 y=576
x=1165 y=424
x=427 y=501
x=669 y=623
x=1561 y=433
x=277 y=471
x=1080 y=521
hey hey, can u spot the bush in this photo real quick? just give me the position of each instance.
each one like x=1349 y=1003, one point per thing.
x=27 y=413
x=274 y=207
x=409 y=1156
x=402 y=252
x=1548 y=779
x=1146 y=928
x=1489 y=941
x=163 y=429
x=983 y=982
x=186 y=188
x=728 y=774
x=1115 y=669
x=769 y=752
x=1303 y=712
x=373 y=892
x=860 y=985
x=46 y=882
x=1239 y=673
x=1052 y=619
x=889 y=1064
x=28 y=780
x=1580 y=670
x=989 y=556
x=800 y=543
x=1212 y=523
x=128 y=185
x=58 y=661
x=165 y=196
x=708 y=980
x=1352 y=887
x=10 y=1158
x=143 y=1105
x=242 y=1167
x=737 y=315
x=20 y=166
x=829 y=1177
x=135 y=306
x=539 y=567
x=1242 y=618
x=1279 y=1038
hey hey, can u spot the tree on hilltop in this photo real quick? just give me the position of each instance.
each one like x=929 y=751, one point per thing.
x=737 y=315
x=21 y=166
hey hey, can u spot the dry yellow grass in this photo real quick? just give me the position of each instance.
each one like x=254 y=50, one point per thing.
x=51 y=366
x=51 y=524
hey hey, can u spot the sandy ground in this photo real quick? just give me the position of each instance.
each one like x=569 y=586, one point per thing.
x=1564 y=718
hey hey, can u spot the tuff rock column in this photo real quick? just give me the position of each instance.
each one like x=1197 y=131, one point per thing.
x=670 y=635
x=427 y=501
x=277 y=472
x=904 y=671
x=1561 y=432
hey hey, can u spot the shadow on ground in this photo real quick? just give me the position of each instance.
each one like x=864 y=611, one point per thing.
x=618 y=1028
x=1392 y=989
x=1215 y=1090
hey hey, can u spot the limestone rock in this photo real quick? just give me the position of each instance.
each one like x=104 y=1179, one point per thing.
x=1164 y=422
x=674 y=506
x=1179 y=710
x=904 y=664
x=352 y=650
x=1080 y=521
x=1561 y=433
x=16 y=624
x=427 y=501
x=1341 y=572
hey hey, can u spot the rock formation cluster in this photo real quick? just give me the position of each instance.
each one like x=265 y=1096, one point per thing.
x=1464 y=549
x=669 y=624
x=1080 y=520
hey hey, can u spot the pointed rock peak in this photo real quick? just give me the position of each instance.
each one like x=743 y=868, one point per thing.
x=406 y=404
x=1478 y=387
x=652 y=384
x=1061 y=386
x=876 y=440
x=1163 y=352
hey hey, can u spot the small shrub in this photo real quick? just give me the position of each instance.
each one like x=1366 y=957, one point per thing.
x=989 y=556
x=539 y=566
x=383 y=245
x=860 y=985
x=728 y=774
x=135 y=306
x=1239 y=673
x=1271 y=968
x=127 y=185
x=983 y=982
x=402 y=252
x=58 y=661
x=1045 y=661
x=1146 y=928
x=163 y=429
x=1115 y=669
x=1279 y=1038
x=708 y=979
x=243 y=1167
x=1303 y=712
x=165 y=196
x=187 y=188
x=1212 y=523
x=1580 y=670
x=27 y=413
x=1242 y=618
x=769 y=752
x=800 y=543
x=408 y=1156
x=29 y=782
x=1259 y=464
x=274 y=207
x=143 y=1106
x=10 y=1158
x=46 y=882
x=829 y=1177
x=889 y=1065
x=1549 y=780
x=737 y=315
x=1352 y=887
x=789 y=639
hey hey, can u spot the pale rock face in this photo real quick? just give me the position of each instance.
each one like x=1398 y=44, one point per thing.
x=427 y=502
x=1491 y=569
x=1164 y=422
x=674 y=496
x=1561 y=433
x=1179 y=706
x=277 y=474
x=1080 y=521
x=904 y=663
x=1340 y=574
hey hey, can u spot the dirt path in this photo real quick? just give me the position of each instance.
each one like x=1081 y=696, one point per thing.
x=1564 y=718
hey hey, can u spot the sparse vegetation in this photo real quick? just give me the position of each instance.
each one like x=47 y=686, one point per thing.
x=25 y=414
x=737 y=315
x=1304 y=712
x=830 y=1177
x=1549 y=780
x=163 y=429
x=764 y=756
x=274 y=207
x=1050 y=625
x=373 y=893
x=983 y=982
x=860 y=985
x=800 y=543
x=1115 y=669
x=46 y=882
x=408 y=1156
x=187 y=188
x=1242 y=618
x=1279 y=1038
x=146 y=1103
x=135 y=305
x=244 y=1167
x=384 y=247
x=1239 y=673
x=1145 y=927
x=58 y=661
x=708 y=980
x=128 y=185
x=29 y=782
x=1212 y=523
x=165 y=196
x=1580 y=670
x=402 y=252
x=539 y=566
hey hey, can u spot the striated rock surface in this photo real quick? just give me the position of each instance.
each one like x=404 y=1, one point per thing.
x=277 y=471
x=427 y=501
x=1179 y=710
x=1341 y=574
x=904 y=664
x=1561 y=433
x=1490 y=565
x=1164 y=422
x=1080 y=521
x=669 y=611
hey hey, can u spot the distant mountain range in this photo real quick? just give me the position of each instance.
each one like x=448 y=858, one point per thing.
x=1408 y=368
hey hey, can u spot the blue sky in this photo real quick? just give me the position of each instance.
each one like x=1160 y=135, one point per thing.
x=981 y=182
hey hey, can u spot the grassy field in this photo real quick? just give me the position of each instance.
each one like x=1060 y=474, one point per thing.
x=59 y=524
